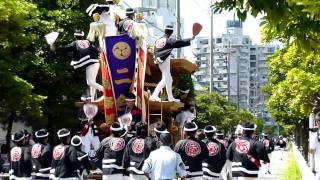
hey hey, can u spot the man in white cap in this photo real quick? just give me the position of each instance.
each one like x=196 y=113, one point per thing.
x=245 y=154
x=164 y=163
x=20 y=158
x=111 y=151
x=65 y=162
x=162 y=53
x=212 y=166
x=41 y=155
x=192 y=152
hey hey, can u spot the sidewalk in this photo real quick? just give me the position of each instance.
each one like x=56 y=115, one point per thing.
x=277 y=166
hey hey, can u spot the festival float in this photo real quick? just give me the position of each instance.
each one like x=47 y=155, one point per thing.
x=127 y=66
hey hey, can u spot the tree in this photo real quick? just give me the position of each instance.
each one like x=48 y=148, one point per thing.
x=17 y=95
x=214 y=109
x=288 y=21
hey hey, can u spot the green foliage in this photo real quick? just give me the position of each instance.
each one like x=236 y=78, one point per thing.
x=292 y=170
x=287 y=21
x=293 y=82
x=17 y=94
x=214 y=109
x=33 y=80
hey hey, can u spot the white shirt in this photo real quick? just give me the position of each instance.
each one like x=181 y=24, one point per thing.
x=315 y=144
x=164 y=163
x=184 y=117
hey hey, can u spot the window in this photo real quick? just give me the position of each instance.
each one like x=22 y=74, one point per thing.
x=219 y=40
x=271 y=49
x=253 y=64
x=253 y=57
x=252 y=49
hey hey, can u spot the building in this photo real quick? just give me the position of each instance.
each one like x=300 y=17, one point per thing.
x=247 y=71
x=258 y=77
x=158 y=14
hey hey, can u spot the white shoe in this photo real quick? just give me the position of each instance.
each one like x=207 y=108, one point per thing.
x=174 y=100
x=154 y=98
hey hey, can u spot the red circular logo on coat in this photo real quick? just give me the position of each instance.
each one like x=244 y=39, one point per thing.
x=83 y=44
x=127 y=25
x=213 y=148
x=192 y=148
x=58 y=152
x=138 y=146
x=116 y=144
x=36 y=151
x=242 y=146
x=266 y=143
x=15 y=154
x=160 y=43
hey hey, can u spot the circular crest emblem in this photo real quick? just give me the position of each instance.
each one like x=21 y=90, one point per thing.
x=121 y=50
x=83 y=44
x=117 y=144
x=242 y=146
x=213 y=148
x=266 y=143
x=192 y=148
x=160 y=43
x=58 y=152
x=138 y=146
x=127 y=25
x=15 y=154
x=36 y=151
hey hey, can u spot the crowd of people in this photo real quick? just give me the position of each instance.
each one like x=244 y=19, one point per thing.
x=142 y=156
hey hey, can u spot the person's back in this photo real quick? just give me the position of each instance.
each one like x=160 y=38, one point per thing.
x=41 y=154
x=164 y=163
x=213 y=164
x=192 y=151
x=137 y=150
x=64 y=163
x=246 y=153
x=20 y=158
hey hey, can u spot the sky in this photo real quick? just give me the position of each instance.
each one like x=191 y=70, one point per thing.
x=198 y=11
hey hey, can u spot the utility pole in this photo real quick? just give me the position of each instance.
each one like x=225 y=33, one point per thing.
x=238 y=86
x=228 y=66
x=178 y=25
x=211 y=50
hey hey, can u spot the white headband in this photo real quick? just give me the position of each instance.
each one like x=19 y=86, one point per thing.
x=124 y=133
x=17 y=139
x=80 y=142
x=210 y=131
x=248 y=129
x=129 y=12
x=164 y=131
x=169 y=28
x=63 y=135
x=79 y=34
x=219 y=134
x=117 y=129
x=185 y=91
x=41 y=136
x=192 y=129
x=129 y=99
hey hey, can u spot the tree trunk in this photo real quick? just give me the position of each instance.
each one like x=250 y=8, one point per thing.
x=9 y=128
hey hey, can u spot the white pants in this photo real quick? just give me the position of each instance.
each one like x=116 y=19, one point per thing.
x=88 y=140
x=91 y=75
x=166 y=81
x=226 y=170
x=137 y=177
x=113 y=176
x=244 y=178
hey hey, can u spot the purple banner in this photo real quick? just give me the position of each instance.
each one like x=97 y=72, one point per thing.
x=121 y=58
